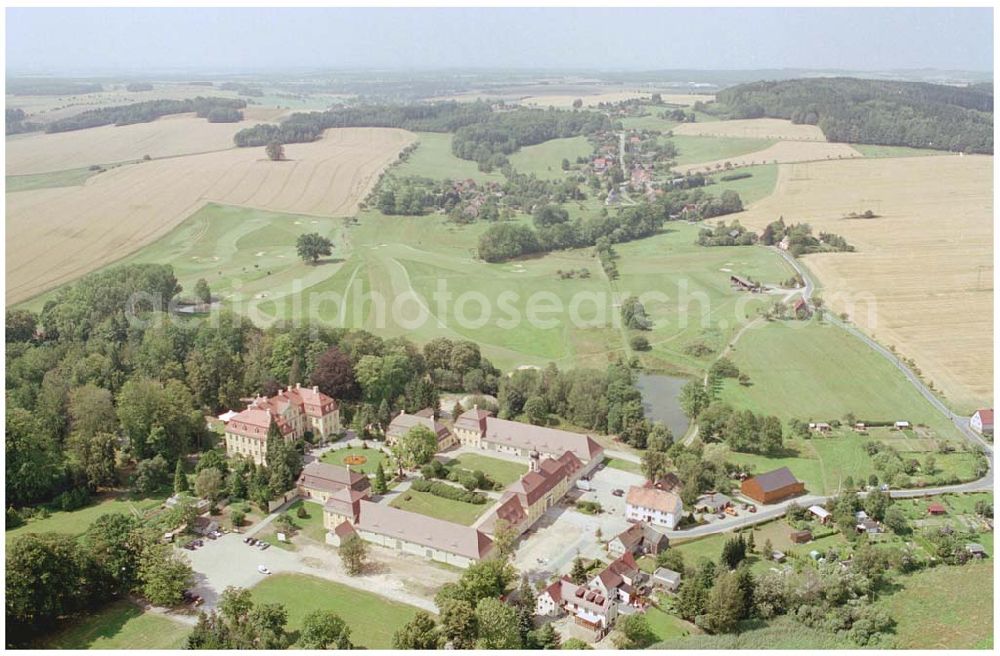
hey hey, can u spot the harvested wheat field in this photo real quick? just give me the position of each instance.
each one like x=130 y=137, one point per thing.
x=781 y=152
x=753 y=128
x=55 y=235
x=927 y=260
x=180 y=134
x=50 y=107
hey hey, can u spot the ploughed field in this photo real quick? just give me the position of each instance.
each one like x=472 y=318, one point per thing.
x=55 y=235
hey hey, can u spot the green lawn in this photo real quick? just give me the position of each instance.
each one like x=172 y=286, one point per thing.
x=433 y=159
x=946 y=607
x=781 y=633
x=67 y=178
x=545 y=159
x=759 y=185
x=373 y=619
x=311 y=525
x=623 y=465
x=449 y=510
x=693 y=149
x=119 y=625
x=818 y=372
x=75 y=522
x=869 y=150
x=504 y=472
x=666 y=626
x=373 y=457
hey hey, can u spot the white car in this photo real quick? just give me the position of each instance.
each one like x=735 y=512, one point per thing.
x=263 y=570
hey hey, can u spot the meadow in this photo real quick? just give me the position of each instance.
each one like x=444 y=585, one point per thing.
x=76 y=522
x=373 y=619
x=124 y=209
x=754 y=128
x=449 y=510
x=796 y=372
x=914 y=276
x=780 y=152
x=692 y=150
x=433 y=159
x=759 y=185
x=66 y=178
x=504 y=472
x=119 y=625
x=545 y=159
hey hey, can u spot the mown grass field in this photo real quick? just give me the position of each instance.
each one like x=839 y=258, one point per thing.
x=67 y=178
x=692 y=149
x=449 y=510
x=119 y=625
x=373 y=619
x=372 y=458
x=759 y=185
x=504 y=472
x=75 y=522
x=433 y=159
x=797 y=370
x=623 y=465
x=545 y=159
x=944 y=608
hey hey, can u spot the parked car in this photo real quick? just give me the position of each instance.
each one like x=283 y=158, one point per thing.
x=264 y=545
x=618 y=492
x=752 y=509
x=263 y=570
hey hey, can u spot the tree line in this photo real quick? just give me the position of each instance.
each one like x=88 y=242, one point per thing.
x=892 y=113
x=216 y=110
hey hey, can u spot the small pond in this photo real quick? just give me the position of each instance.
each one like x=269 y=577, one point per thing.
x=660 y=401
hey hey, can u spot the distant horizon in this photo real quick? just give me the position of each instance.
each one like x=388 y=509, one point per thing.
x=80 y=41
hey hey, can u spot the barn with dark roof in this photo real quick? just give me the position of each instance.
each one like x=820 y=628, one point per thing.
x=773 y=486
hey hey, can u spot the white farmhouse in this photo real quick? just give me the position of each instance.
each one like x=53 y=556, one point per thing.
x=648 y=504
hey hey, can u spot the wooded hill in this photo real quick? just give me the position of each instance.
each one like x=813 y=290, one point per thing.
x=915 y=114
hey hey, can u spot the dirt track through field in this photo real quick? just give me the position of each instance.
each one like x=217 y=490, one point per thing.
x=782 y=152
x=752 y=128
x=922 y=279
x=58 y=234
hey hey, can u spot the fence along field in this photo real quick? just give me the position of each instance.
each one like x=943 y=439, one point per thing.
x=927 y=259
x=56 y=235
x=180 y=134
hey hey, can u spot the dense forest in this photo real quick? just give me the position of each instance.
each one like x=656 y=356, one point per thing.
x=37 y=87
x=915 y=114
x=216 y=110
x=15 y=123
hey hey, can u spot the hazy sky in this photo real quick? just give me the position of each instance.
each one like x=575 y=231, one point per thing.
x=88 y=40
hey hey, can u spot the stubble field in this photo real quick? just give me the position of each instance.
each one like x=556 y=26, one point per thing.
x=922 y=279
x=753 y=128
x=782 y=152
x=55 y=235
x=180 y=134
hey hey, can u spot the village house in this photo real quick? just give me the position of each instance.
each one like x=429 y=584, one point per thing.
x=936 y=509
x=403 y=422
x=294 y=411
x=820 y=427
x=647 y=504
x=902 y=425
x=982 y=421
x=480 y=429
x=593 y=613
x=319 y=480
x=800 y=537
x=622 y=579
x=668 y=579
x=773 y=486
x=712 y=502
x=639 y=540
x=743 y=284
x=867 y=525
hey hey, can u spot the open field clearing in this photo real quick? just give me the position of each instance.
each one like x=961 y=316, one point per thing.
x=871 y=150
x=433 y=159
x=179 y=134
x=545 y=159
x=780 y=153
x=45 y=108
x=373 y=619
x=116 y=213
x=592 y=100
x=694 y=149
x=753 y=128
x=76 y=522
x=944 y=608
x=119 y=625
x=796 y=370
x=67 y=178
x=921 y=267
x=759 y=185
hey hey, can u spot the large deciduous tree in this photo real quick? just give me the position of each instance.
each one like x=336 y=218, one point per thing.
x=312 y=246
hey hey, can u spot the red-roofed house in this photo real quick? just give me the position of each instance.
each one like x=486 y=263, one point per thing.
x=593 y=613
x=982 y=421
x=294 y=410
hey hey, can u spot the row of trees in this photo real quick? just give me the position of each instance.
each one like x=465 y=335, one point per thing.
x=150 y=110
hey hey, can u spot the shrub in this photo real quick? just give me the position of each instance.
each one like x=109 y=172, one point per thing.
x=72 y=499
x=589 y=507
x=446 y=491
x=301 y=513
x=736 y=176
x=639 y=343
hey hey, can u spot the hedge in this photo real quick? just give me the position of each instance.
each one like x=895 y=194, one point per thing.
x=446 y=491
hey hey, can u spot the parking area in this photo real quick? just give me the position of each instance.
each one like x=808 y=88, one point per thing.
x=603 y=483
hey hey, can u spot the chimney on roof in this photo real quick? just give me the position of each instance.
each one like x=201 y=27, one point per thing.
x=316 y=388
x=298 y=385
